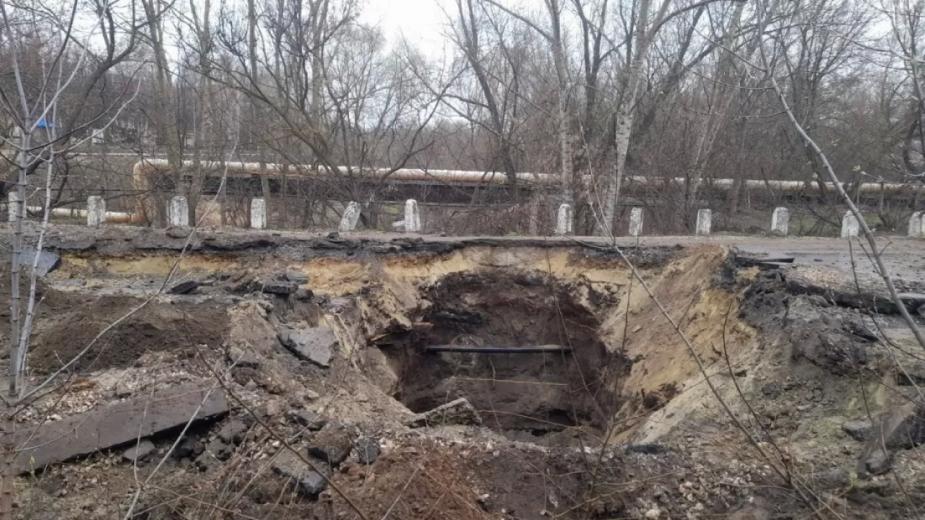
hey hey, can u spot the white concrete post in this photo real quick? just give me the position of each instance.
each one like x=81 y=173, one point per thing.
x=258 y=213
x=12 y=200
x=635 y=222
x=348 y=221
x=564 y=219
x=96 y=211
x=533 y=225
x=412 y=217
x=704 y=222
x=916 y=225
x=849 y=225
x=780 y=221
x=178 y=211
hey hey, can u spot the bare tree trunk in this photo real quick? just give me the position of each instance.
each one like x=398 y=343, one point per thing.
x=164 y=117
x=624 y=117
x=565 y=148
x=469 y=44
x=722 y=96
x=284 y=195
x=7 y=474
x=554 y=38
x=621 y=145
x=625 y=114
x=565 y=140
x=319 y=15
x=15 y=374
x=734 y=195
x=317 y=107
x=204 y=37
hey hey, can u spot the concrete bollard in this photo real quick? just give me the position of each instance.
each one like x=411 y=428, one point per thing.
x=849 y=225
x=704 y=222
x=635 y=222
x=258 y=213
x=178 y=211
x=564 y=219
x=533 y=224
x=780 y=221
x=412 y=217
x=12 y=200
x=348 y=221
x=96 y=211
x=916 y=225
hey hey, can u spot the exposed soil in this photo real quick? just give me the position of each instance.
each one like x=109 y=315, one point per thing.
x=535 y=392
x=619 y=423
x=159 y=326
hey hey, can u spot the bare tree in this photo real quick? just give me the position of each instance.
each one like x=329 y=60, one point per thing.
x=497 y=90
x=34 y=106
x=553 y=35
x=644 y=28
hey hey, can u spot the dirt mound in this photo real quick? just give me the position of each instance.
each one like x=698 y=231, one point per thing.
x=429 y=481
x=71 y=324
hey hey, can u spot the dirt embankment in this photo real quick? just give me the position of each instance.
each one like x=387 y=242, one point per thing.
x=617 y=421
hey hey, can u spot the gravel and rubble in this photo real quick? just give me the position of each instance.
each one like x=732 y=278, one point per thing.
x=811 y=373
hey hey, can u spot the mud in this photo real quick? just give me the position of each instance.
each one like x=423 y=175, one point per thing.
x=619 y=424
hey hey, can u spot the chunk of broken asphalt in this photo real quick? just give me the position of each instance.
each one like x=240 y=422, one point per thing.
x=902 y=427
x=332 y=444
x=857 y=430
x=295 y=276
x=186 y=287
x=116 y=424
x=242 y=357
x=233 y=431
x=311 y=483
x=307 y=418
x=315 y=344
x=280 y=287
x=646 y=448
x=48 y=261
x=188 y=448
x=138 y=451
x=367 y=449
x=178 y=231
x=218 y=449
x=303 y=294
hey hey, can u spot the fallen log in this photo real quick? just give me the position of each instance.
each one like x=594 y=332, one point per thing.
x=110 y=426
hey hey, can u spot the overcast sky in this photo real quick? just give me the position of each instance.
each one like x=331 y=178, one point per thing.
x=422 y=22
